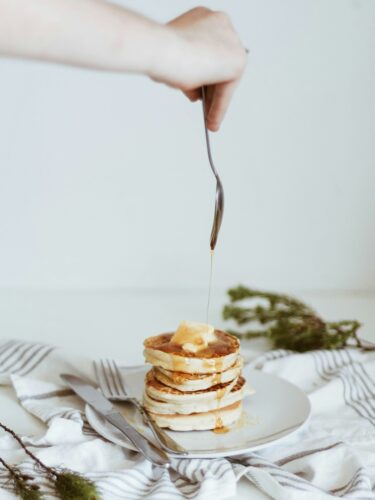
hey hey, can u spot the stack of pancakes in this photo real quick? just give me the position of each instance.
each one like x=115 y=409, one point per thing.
x=195 y=382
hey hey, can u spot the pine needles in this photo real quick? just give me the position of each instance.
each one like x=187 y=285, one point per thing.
x=68 y=485
x=286 y=321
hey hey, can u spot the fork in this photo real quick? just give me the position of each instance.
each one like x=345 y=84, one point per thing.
x=219 y=200
x=112 y=384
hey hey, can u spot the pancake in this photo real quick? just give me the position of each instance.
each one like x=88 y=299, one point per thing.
x=190 y=382
x=218 y=356
x=195 y=382
x=161 y=392
x=199 y=402
x=209 y=420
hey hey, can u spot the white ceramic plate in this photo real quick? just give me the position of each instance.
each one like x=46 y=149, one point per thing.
x=275 y=411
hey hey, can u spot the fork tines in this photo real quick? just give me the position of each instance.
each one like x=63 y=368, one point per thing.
x=109 y=378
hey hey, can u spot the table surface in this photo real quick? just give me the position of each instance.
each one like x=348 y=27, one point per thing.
x=114 y=323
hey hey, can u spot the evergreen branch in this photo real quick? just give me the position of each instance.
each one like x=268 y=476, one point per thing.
x=68 y=485
x=35 y=459
x=287 y=322
x=22 y=483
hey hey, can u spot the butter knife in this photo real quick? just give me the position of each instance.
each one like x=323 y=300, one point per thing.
x=102 y=405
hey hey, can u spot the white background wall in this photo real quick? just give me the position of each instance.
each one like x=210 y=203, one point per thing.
x=104 y=180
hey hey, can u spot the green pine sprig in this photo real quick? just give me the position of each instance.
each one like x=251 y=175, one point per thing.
x=287 y=322
x=68 y=485
x=22 y=483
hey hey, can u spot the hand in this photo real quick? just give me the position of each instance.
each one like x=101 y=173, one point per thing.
x=198 y=48
x=209 y=53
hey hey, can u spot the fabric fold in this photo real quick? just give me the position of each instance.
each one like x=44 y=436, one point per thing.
x=333 y=456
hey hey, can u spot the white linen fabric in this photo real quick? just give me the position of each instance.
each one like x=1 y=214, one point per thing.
x=332 y=456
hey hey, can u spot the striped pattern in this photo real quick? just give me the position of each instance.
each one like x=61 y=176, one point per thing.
x=282 y=476
x=358 y=387
x=22 y=358
x=358 y=394
x=288 y=471
x=132 y=484
x=262 y=360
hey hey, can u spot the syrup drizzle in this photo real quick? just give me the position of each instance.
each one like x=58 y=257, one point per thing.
x=209 y=287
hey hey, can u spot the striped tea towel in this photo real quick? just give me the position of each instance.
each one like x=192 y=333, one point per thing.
x=333 y=456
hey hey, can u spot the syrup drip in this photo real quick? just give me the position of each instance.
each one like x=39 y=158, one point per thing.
x=221 y=430
x=218 y=422
x=220 y=393
x=209 y=288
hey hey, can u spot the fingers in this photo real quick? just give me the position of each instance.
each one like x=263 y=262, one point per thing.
x=221 y=95
x=191 y=15
x=193 y=95
x=217 y=101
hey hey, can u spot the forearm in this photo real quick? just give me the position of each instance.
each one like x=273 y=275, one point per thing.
x=89 y=33
x=198 y=48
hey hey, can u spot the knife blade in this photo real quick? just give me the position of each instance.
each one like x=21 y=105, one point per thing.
x=102 y=405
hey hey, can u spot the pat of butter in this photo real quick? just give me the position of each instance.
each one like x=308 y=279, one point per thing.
x=194 y=337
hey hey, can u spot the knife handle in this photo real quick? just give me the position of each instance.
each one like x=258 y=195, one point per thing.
x=150 y=451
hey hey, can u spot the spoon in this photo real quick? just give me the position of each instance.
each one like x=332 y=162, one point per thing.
x=219 y=198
